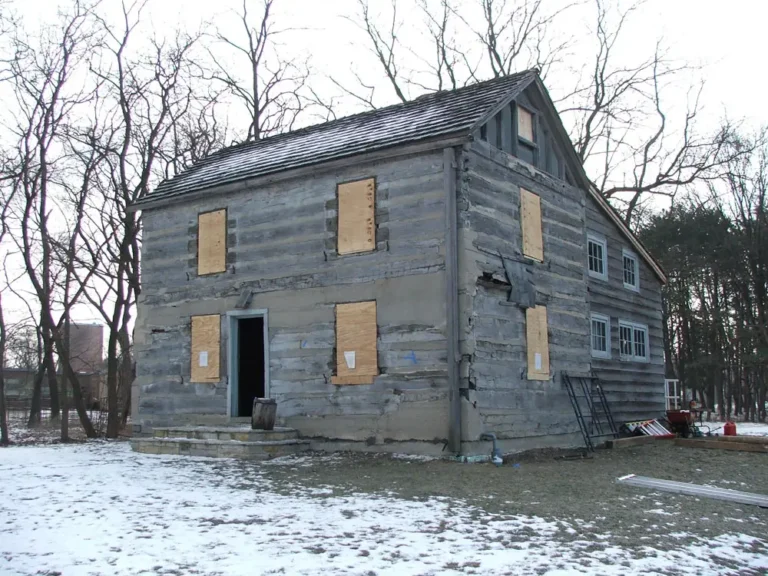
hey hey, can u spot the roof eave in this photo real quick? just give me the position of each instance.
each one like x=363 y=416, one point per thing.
x=595 y=193
x=450 y=139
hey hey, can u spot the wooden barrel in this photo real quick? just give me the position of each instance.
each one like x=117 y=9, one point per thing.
x=264 y=412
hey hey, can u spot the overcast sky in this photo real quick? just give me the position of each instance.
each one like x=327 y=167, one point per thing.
x=727 y=40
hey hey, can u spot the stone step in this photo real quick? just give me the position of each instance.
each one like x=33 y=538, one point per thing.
x=239 y=433
x=263 y=450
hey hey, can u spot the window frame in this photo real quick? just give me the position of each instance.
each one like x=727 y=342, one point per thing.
x=633 y=326
x=628 y=254
x=601 y=241
x=596 y=317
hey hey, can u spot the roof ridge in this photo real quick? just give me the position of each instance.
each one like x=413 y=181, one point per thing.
x=430 y=115
x=366 y=113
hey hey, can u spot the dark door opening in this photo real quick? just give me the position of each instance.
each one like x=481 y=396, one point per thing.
x=250 y=364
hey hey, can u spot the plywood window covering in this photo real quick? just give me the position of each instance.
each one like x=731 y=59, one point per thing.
x=206 y=346
x=530 y=210
x=537 y=342
x=356 y=354
x=212 y=242
x=524 y=124
x=357 y=220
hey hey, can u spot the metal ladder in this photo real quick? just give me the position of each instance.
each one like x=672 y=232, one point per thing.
x=596 y=408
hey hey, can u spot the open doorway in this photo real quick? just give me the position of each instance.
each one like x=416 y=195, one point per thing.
x=248 y=375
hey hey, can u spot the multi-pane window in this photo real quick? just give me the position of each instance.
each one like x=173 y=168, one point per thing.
x=633 y=341
x=631 y=272
x=597 y=257
x=601 y=336
x=640 y=335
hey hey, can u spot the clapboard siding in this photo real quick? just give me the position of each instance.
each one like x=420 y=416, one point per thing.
x=499 y=397
x=282 y=247
x=635 y=390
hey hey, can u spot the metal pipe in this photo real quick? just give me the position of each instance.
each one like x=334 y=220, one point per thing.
x=496 y=456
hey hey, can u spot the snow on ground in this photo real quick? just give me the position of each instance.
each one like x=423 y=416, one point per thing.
x=751 y=429
x=99 y=508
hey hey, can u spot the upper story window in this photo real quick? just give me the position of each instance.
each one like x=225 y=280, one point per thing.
x=597 y=257
x=357 y=216
x=211 y=242
x=525 y=124
x=633 y=341
x=631 y=270
x=601 y=335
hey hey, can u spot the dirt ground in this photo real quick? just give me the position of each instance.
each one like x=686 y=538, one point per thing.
x=583 y=491
x=595 y=517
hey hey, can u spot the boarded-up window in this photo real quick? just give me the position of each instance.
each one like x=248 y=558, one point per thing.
x=212 y=242
x=356 y=355
x=206 y=344
x=530 y=210
x=537 y=343
x=357 y=222
x=524 y=124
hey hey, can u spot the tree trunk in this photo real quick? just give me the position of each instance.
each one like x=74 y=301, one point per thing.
x=4 y=438
x=34 y=408
x=64 y=411
x=113 y=420
x=50 y=365
x=64 y=393
x=126 y=378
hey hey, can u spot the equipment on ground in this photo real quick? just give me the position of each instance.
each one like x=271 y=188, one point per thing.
x=589 y=401
x=695 y=490
x=648 y=428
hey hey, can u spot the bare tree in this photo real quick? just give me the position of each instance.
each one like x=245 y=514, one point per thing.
x=152 y=125
x=622 y=127
x=634 y=144
x=4 y=436
x=505 y=36
x=41 y=75
x=273 y=92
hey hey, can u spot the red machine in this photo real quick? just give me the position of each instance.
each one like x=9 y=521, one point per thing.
x=682 y=422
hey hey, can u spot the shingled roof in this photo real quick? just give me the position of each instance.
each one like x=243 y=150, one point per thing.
x=432 y=116
x=427 y=117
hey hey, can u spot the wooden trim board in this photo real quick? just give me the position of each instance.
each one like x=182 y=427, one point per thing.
x=747 y=439
x=718 y=444
x=631 y=441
